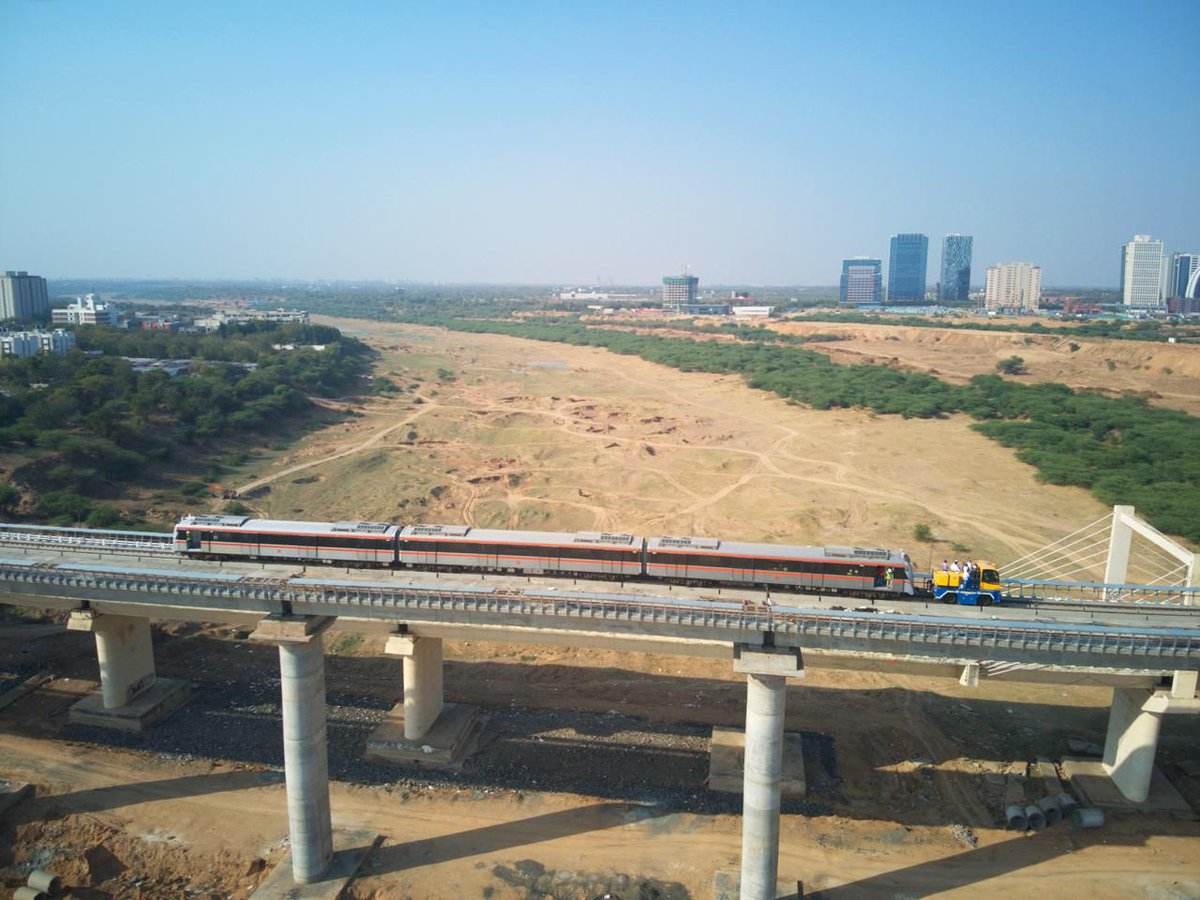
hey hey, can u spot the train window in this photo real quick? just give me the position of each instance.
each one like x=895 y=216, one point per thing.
x=790 y=566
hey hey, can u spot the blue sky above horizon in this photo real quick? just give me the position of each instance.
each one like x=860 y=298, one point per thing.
x=570 y=143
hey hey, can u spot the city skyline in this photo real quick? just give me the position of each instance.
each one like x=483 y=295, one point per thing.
x=526 y=144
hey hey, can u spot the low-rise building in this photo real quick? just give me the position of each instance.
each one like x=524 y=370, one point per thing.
x=703 y=309
x=20 y=344
x=85 y=311
x=761 y=312
x=281 y=316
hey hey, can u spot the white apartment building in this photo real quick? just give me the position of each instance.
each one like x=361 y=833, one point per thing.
x=85 y=311
x=1143 y=271
x=20 y=344
x=1013 y=287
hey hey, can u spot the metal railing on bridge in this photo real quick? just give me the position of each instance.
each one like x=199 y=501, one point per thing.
x=1034 y=591
x=55 y=537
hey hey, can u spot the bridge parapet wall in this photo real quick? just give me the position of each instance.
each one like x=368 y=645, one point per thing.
x=927 y=636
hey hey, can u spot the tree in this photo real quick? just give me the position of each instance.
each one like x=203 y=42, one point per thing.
x=10 y=498
x=1014 y=365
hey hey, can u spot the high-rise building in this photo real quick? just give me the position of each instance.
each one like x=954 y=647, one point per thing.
x=862 y=280
x=1183 y=268
x=1013 y=287
x=1143 y=270
x=680 y=290
x=23 y=297
x=907 y=264
x=955 y=286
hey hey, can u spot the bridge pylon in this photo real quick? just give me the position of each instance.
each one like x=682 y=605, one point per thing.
x=1125 y=524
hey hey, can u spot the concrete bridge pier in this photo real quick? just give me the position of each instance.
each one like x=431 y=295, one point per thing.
x=305 y=753
x=132 y=696
x=301 y=644
x=767 y=671
x=424 y=728
x=305 y=757
x=1133 y=726
x=424 y=696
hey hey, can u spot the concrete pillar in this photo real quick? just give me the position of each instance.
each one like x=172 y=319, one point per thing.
x=970 y=675
x=767 y=671
x=305 y=755
x=423 y=688
x=1132 y=742
x=126 y=656
x=765 y=700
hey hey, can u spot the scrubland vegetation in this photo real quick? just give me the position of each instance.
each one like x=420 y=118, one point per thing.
x=83 y=424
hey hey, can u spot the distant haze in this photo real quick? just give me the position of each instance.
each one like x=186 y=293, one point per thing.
x=619 y=142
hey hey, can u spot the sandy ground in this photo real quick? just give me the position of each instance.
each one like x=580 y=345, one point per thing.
x=544 y=435
x=538 y=435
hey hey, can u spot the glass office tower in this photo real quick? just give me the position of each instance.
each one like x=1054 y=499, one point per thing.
x=1182 y=267
x=955 y=286
x=906 y=268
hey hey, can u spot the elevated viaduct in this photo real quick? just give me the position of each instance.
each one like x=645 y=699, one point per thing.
x=1152 y=668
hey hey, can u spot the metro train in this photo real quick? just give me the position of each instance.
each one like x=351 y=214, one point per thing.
x=858 y=571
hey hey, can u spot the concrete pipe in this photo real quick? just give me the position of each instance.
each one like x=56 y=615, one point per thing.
x=1035 y=818
x=1014 y=814
x=28 y=893
x=1050 y=809
x=1066 y=803
x=41 y=880
x=1087 y=818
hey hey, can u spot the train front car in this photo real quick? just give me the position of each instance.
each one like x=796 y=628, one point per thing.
x=585 y=554
x=342 y=543
x=850 y=570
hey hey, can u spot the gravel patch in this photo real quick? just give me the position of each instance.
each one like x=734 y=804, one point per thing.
x=605 y=755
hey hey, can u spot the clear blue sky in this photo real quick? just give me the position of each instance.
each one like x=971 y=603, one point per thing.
x=558 y=142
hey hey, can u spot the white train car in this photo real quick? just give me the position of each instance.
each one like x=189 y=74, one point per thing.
x=523 y=552
x=347 y=543
x=834 y=569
